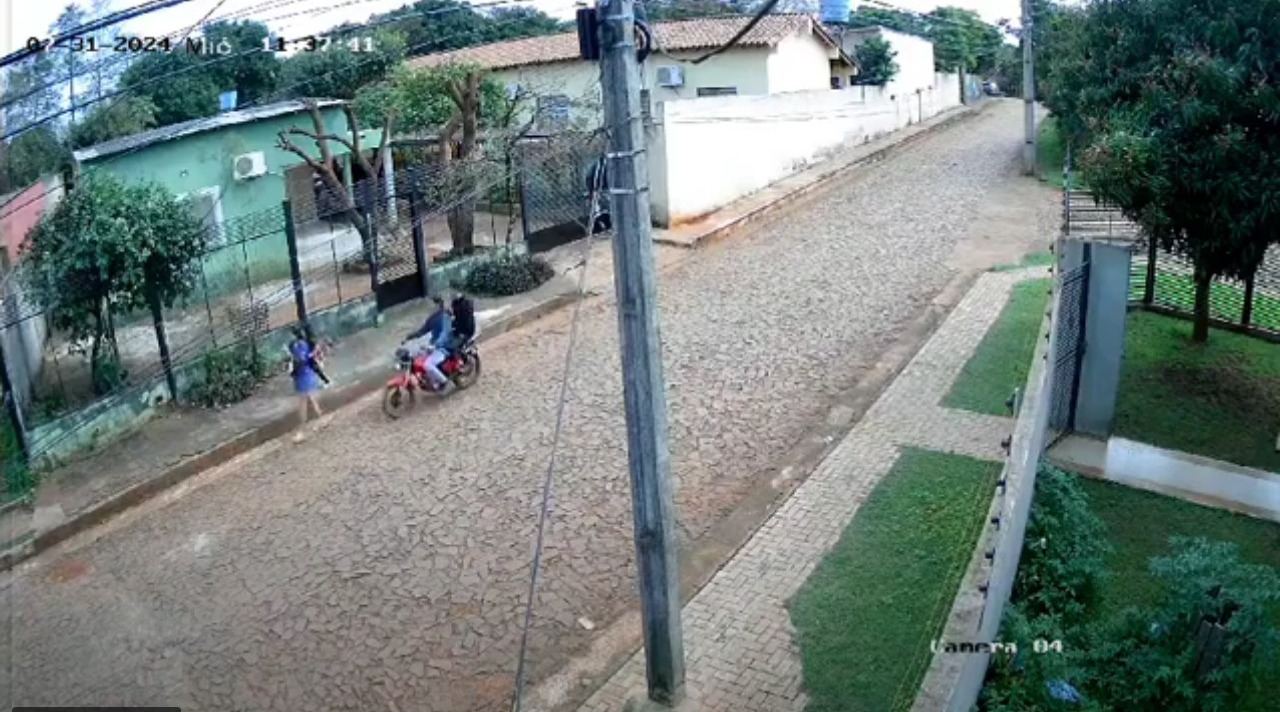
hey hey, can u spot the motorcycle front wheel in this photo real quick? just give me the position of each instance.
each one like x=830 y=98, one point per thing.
x=397 y=400
x=468 y=372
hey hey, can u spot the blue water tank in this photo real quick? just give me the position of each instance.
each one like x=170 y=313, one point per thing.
x=834 y=12
x=227 y=101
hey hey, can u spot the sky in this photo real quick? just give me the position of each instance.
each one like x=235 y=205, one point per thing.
x=300 y=18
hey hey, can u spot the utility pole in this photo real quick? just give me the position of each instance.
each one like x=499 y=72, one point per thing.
x=644 y=389
x=1028 y=93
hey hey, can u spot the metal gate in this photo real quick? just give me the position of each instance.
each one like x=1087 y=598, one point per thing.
x=1069 y=346
x=555 y=179
x=399 y=254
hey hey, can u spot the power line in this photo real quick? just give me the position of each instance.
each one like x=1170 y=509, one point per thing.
x=281 y=91
x=114 y=18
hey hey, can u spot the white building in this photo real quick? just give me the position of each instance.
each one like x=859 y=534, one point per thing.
x=783 y=53
x=914 y=57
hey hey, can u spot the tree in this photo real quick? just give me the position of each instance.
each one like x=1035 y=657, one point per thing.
x=340 y=71
x=325 y=167
x=68 y=60
x=671 y=10
x=896 y=20
x=175 y=83
x=962 y=40
x=31 y=92
x=875 y=62
x=113 y=119
x=111 y=247
x=184 y=84
x=1172 y=108
x=431 y=26
x=34 y=153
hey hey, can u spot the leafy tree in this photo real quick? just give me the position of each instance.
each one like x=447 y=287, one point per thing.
x=34 y=153
x=111 y=246
x=897 y=20
x=1172 y=109
x=339 y=72
x=253 y=75
x=31 y=92
x=515 y=22
x=113 y=119
x=68 y=60
x=431 y=26
x=184 y=84
x=962 y=40
x=875 y=62
x=176 y=83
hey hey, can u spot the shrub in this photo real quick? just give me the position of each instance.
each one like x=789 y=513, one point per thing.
x=508 y=274
x=1147 y=659
x=1064 y=553
x=229 y=376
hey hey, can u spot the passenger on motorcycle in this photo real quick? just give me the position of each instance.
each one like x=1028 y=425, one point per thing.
x=439 y=327
x=464 y=320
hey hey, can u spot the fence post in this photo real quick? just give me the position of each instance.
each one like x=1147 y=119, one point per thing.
x=1246 y=314
x=1149 y=290
x=370 y=211
x=12 y=406
x=419 y=235
x=521 y=181
x=162 y=340
x=295 y=266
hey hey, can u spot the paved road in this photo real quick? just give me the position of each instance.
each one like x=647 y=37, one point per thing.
x=383 y=565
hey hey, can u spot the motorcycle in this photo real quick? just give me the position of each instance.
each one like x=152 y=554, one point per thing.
x=461 y=368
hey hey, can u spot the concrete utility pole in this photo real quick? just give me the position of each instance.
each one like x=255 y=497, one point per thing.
x=644 y=389
x=1028 y=92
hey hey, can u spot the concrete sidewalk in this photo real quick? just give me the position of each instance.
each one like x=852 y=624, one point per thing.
x=183 y=442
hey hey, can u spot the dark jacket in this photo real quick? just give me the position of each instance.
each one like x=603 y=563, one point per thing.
x=437 y=325
x=464 y=319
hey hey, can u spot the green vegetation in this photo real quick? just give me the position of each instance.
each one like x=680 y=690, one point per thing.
x=1219 y=399
x=1226 y=301
x=1051 y=153
x=1126 y=593
x=1003 y=358
x=1035 y=259
x=867 y=614
x=508 y=274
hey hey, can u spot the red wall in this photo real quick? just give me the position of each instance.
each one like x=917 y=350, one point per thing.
x=19 y=215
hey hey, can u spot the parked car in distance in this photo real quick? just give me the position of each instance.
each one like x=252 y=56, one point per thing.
x=992 y=89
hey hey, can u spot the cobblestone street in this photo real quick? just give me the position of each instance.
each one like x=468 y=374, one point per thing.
x=383 y=565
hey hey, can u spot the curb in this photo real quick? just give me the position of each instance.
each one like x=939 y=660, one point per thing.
x=236 y=446
x=820 y=182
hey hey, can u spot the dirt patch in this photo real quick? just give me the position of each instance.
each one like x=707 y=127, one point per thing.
x=1247 y=396
x=68 y=570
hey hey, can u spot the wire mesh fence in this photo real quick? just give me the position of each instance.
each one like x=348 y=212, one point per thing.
x=1165 y=281
x=375 y=246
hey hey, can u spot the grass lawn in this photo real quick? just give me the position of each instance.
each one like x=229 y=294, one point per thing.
x=1226 y=301
x=1003 y=358
x=1220 y=399
x=1035 y=259
x=1139 y=538
x=867 y=614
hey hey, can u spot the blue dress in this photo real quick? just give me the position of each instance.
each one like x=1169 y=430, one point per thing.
x=305 y=380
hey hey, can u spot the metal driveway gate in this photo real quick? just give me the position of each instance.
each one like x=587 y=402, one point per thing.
x=1073 y=302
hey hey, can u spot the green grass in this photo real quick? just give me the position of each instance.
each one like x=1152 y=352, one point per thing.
x=1003 y=358
x=1220 y=399
x=1035 y=259
x=1226 y=301
x=1136 y=539
x=1051 y=152
x=867 y=614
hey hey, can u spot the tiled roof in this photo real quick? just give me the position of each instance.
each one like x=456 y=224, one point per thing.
x=683 y=35
x=195 y=126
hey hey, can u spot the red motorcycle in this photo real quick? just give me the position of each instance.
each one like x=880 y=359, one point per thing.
x=461 y=368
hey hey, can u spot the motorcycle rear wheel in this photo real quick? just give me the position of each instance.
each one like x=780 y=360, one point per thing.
x=397 y=400
x=468 y=373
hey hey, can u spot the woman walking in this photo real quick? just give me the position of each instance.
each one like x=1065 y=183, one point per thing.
x=305 y=380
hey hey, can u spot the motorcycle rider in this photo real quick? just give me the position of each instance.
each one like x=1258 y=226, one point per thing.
x=464 y=320
x=439 y=327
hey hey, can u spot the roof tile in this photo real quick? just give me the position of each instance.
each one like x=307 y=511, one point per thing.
x=683 y=35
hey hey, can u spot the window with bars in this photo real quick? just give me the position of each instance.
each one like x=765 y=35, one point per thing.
x=553 y=111
x=717 y=91
x=646 y=110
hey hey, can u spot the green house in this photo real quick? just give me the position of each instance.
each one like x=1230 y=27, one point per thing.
x=237 y=177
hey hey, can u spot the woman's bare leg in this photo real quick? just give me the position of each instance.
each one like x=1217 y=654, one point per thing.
x=299 y=435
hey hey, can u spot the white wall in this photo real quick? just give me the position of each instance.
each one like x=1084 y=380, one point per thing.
x=710 y=152
x=915 y=62
x=799 y=63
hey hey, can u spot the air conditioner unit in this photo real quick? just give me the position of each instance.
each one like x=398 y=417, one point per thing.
x=249 y=165
x=670 y=77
